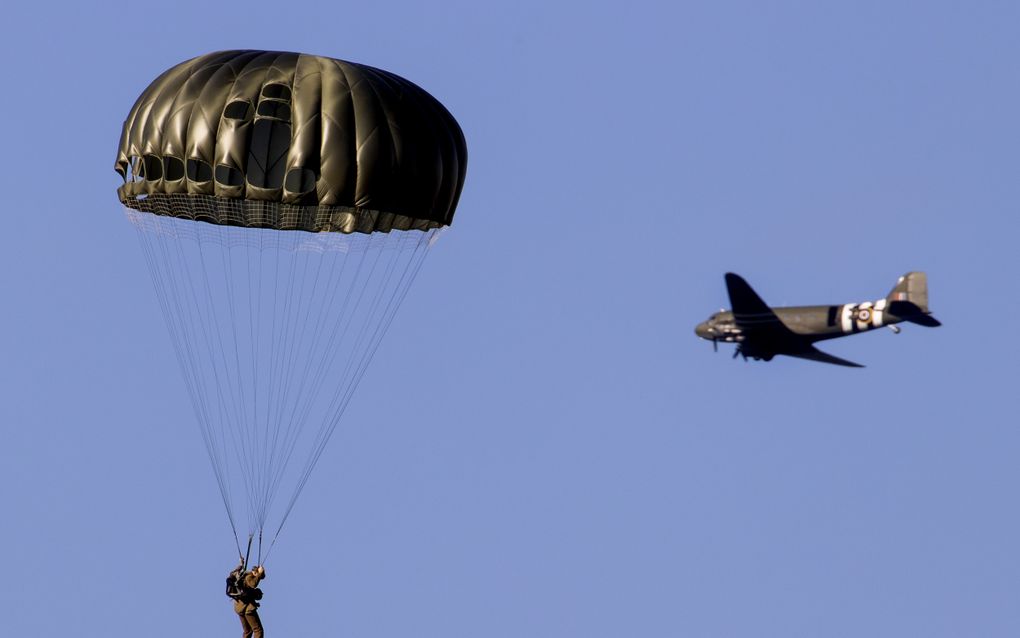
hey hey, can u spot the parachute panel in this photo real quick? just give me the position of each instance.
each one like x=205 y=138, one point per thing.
x=261 y=125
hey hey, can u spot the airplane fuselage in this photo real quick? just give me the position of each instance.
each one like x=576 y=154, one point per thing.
x=814 y=323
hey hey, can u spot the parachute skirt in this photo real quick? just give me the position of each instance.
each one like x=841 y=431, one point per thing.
x=274 y=215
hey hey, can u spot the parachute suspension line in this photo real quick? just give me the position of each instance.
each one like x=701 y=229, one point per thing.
x=415 y=265
x=333 y=348
x=254 y=324
x=257 y=322
x=345 y=391
x=300 y=398
x=251 y=453
x=248 y=453
x=272 y=360
x=227 y=262
x=228 y=270
x=296 y=352
x=291 y=330
x=262 y=360
x=407 y=278
x=278 y=345
x=237 y=542
x=149 y=233
x=345 y=325
x=295 y=423
x=197 y=320
x=281 y=347
x=293 y=348
x=247 y=553
x=185 y=338
x=229 y=416
x=346 y=381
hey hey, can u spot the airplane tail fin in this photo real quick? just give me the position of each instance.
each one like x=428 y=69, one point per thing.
x=912 y=287
x=908 y=300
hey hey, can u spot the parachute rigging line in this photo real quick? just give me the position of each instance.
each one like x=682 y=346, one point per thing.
x=344 y=392
x=318 y=306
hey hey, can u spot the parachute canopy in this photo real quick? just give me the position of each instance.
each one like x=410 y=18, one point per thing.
x=337 y=146
x=227 y=159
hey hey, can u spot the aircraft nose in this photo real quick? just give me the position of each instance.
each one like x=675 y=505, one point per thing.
x=703 y=330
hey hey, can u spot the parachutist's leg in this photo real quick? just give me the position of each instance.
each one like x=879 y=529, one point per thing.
x=255 y=623
x=246 y=628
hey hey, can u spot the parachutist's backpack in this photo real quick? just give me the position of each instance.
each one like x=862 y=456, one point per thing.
x=235 y=585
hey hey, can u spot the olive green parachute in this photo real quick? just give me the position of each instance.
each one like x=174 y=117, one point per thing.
x=338 y=146
x=284 y=204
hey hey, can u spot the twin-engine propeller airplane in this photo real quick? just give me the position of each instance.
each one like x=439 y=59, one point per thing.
x=761 y=332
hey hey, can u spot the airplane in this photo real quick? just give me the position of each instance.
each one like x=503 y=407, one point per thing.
x=761 y=332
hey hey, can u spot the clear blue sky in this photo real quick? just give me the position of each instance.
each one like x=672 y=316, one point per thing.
x=566 y=458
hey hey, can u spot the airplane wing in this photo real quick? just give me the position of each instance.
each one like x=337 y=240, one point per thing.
x=752 y=314
x=814 y=354
x=765 y=332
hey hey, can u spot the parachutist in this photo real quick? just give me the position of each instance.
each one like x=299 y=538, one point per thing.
x=241 y=157
x=243 y=588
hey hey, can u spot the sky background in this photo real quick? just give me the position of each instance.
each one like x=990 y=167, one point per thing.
x=565 y=457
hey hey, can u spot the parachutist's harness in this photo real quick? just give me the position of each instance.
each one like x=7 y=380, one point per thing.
x=238 y=590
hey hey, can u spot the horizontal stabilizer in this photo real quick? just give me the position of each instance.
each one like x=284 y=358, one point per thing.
x=911 y=312
x=924 y=320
